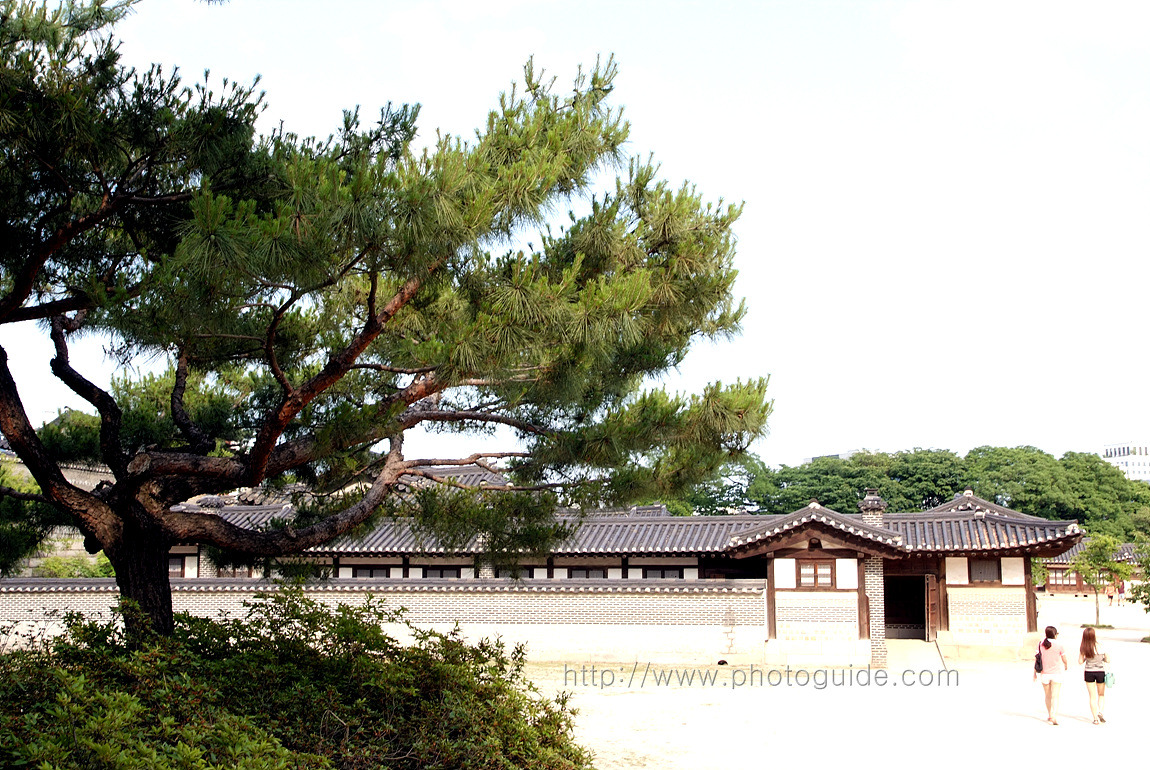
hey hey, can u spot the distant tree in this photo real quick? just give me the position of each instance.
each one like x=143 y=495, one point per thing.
x=908 y=481
x=1097 y=565
x=1038 y=571
x=836 y=483
x=1140 y=522
x=1104 y=500
x=725 y=492
x=74 y=436
x=1140 y=591
x=25 y=521
x=1023 y=478
x=926 y=478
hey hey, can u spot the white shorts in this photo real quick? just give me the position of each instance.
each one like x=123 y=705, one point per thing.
x=1058 y=678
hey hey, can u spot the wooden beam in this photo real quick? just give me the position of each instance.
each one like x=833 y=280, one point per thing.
x=943 y=605
x=1031 y=600
x=771 y=599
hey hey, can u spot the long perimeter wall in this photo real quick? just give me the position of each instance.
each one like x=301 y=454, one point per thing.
x=558 y=620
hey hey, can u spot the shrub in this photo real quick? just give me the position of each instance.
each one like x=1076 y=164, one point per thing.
x=75 y=567
x=293 y=684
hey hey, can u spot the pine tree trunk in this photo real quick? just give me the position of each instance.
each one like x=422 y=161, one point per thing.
x=141 y=563
x=1097 y=609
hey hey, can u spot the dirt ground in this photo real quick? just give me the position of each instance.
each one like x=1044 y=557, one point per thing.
x=985 y=711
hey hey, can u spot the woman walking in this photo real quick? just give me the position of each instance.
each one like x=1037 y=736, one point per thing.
x=1094 y=660
x=1054 y=665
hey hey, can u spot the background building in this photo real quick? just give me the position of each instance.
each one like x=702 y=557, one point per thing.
x=1130 y=458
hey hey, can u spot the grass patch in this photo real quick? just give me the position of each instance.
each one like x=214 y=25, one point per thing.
x=1099 y=625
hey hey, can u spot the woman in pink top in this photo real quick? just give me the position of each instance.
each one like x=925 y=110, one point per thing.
x=1054 y=665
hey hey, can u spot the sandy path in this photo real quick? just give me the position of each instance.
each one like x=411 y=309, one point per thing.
x=993 y=712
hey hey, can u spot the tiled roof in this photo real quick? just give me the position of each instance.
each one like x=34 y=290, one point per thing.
x=852 y=526
x=596 y=535
x=969 y=523
x=1125 y=552
x=968 y=531
x=973 y=526
x=656 y=535
x=467 y=475
x=969 y=503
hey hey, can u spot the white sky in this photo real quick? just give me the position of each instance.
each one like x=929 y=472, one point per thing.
x=946 y=227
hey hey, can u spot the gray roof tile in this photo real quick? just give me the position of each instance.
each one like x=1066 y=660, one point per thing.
x=967 y=526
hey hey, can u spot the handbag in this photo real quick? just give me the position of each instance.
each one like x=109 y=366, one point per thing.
x=1109 y=679
x=1038 y=662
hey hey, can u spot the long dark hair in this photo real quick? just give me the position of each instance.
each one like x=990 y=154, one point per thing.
x=1051 y=632
x=1089 y=646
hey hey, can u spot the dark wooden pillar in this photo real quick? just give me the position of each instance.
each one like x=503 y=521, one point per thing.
x=1031 y=598
x=770 y=598
x=933 y=604
x=943 y=606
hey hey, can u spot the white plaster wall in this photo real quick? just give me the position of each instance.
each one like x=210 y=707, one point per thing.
x=847 y=574
x=1013 y=571
x=358 y=561
x=663 y=561
x=444 y=561
x=615 y=573
x=784 y=573
x=587 y=561
x=576 y=626
x=987 y=615
x=957 y=571
x=192 y=566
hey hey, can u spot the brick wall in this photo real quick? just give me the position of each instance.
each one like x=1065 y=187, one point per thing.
x=876 y=598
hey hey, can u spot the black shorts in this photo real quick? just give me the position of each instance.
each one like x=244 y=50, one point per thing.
x=1098 y=677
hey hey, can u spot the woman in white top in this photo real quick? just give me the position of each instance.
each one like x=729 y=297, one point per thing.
x=1054 y=665
x=1094 y=660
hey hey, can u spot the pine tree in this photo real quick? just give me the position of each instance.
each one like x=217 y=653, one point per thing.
x=319 y=298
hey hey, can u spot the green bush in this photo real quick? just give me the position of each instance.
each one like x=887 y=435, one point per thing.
x=293 y=684
x=75 y=567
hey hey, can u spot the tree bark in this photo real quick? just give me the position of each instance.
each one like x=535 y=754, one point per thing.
x=140 y=559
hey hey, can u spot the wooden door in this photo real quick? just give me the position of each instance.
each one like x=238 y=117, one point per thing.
x=933 y=613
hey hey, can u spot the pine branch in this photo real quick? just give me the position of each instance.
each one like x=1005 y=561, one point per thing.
x=413 y=417
x=337 y=366
x=28 y=497
x=24 y=279
x=110 y=415
x=200 y=442
x=94 y=515
x=211 y=528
